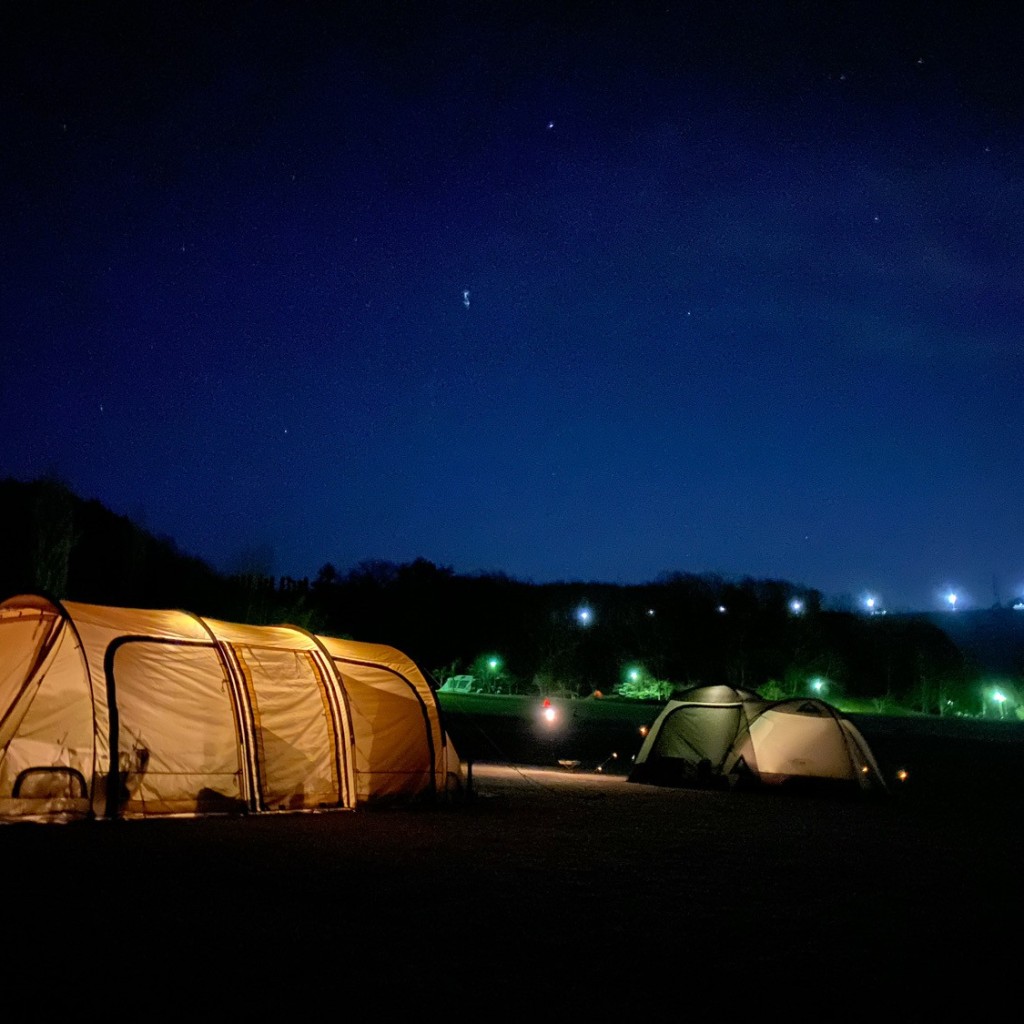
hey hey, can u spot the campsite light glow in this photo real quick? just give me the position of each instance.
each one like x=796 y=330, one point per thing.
x=1000 y=701
x=548 y=712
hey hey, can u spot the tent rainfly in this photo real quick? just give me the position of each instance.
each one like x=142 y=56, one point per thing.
x=131 y=713
x=718 y=736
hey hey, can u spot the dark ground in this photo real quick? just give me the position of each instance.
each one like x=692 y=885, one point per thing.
x=561 y=894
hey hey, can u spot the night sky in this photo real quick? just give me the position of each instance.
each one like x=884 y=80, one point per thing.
x=565 y=291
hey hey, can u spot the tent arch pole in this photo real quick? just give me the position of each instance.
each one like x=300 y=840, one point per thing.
x=80 y=647
x=242 y=710
x=342 y=713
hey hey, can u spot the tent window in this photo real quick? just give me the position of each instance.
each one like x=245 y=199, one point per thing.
x=49 y=783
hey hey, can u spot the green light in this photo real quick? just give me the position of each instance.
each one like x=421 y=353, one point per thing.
x=1000 y=698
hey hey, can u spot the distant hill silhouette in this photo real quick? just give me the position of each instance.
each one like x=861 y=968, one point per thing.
x=523 y=637
x=67 y=547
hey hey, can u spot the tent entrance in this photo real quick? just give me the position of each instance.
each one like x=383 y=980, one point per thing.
x=174 y=725
x=296 y=732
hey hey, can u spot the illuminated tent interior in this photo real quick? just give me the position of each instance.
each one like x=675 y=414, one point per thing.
x=720 y=737
x=131 y=713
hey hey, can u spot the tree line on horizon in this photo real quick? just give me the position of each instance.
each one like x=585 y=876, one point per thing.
x=568 y=638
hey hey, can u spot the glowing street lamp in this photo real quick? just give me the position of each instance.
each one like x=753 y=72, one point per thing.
x=818 y=685
x=796 y=606
x=951 y=599
x=493 y=665
x=584 y=616
x=1000 y=699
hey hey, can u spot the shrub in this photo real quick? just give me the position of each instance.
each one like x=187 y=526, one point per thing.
x=646 y=689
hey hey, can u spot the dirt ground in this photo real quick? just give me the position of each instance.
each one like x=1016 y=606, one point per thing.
x=554 y=893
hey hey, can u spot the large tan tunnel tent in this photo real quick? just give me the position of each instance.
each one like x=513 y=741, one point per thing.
x=131 y=713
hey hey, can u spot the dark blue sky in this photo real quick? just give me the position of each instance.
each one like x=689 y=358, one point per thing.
x=571 y=292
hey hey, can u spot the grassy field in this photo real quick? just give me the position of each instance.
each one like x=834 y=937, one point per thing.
x=942 y=755
x=508 y=729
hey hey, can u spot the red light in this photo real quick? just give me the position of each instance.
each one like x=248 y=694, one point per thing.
x=547 y=703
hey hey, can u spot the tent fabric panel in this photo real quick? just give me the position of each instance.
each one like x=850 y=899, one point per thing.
x=400 y=665
x=782 y=745
x=29 y=642
x=164 y=625
x=178 y=747
x=652 y=736
x=689 y=743
x=98 y=627
x=56 y=730
x=48 y=732
x=382 y=666
x=296 y=741
x=696 y=732
x=392 y=752
x=870 y=774
x=717 y=693
x=283 y=638
x=24 y=638
x=376 y=654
